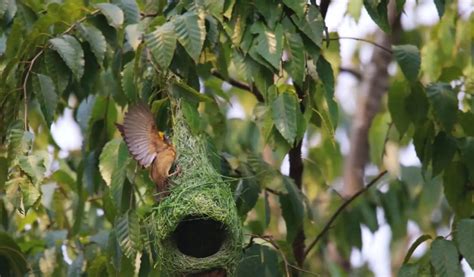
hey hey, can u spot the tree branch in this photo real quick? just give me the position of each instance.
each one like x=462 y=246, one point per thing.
x=341 y=208
x=296 y=173
x=238 y=84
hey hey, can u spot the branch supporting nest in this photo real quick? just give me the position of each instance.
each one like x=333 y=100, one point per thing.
x=339 y=210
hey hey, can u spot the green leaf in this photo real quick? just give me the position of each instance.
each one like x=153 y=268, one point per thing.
x=246 y=192
x=463 y=236
x=324 y=69
x=35 y=165
x=297 y=62
x=312 y=25
x=445 y=104
x=127 y=228
x=127 y=82
x=408 y=57
x=113 y=14
x=413 y=247
x=297 y=6
x=3 y=7
x=130 y=9
x=444 y=148
x=445 y=258
x=114 y=160
x=19 y=143
x=3 y=172
x=455 y=182
x=134 y=35
x=259 y=260
x=71 y=52
x=57 y=70
x=467 y=154
x=409 y=270
x=162 y=43
x=192 y=116
x=191 y=31
x=47 y=97
x=397 y=96
x=416 y=104
x=269 y=43
x=292 y=208
x=12 y=262
x=354 y=8
x=378 y=12
x=284 y=110
x=96 y=40
x=440 y=6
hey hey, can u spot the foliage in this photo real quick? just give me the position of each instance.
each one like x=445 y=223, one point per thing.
x=84 y=210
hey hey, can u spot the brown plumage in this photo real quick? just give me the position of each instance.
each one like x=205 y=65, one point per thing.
x=148 y=146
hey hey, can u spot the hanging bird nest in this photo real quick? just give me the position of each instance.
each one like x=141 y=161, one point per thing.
x=197 y=228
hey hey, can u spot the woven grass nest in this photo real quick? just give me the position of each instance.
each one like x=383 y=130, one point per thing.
x=196 y=226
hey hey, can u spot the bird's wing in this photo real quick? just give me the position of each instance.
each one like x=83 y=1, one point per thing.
x=141 y=135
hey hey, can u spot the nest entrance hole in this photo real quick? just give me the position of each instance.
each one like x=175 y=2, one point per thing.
x=199 y=236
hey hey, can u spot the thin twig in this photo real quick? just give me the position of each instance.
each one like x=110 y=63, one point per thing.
x=32 y=63
x=340 y=210
x=239 y=84
x=363 y=40
x=25 y=81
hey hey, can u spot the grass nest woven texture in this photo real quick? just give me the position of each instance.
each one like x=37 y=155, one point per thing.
x=197 y=193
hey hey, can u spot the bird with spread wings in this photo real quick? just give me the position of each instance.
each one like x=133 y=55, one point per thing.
x=148 y=145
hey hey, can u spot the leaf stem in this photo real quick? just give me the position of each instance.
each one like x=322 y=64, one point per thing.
x=363 y=40
x=340 y=210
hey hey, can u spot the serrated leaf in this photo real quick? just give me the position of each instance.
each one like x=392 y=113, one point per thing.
x=455 y=183
x=445 y=258
x=415 y=244
x=130 y=10
x=3 y=7
x=297 y=62
x=408 y=57
x=312 y=25
x=14 y=262
x=397 y=96
x=440 y=6
x=325 y=72
x=378 y=12
x=71 y=52
x=134 y=35
x=57 y=70
x=467 y=154
x=464 y=233
x=127 y=229
x=444 y=148
x=284 y=110
x=445 y=104
x=269 y=43
x=191 y=31
x=113 y=14
x=292 y=208
x=35 y=165
x=408 y=270
x=19 y=143
x=259 y=260
x=113 y=161
x=96 y=40
x=416 y=104
x=162 y=43
x=47 y=97
x=127 y=82
x=297 y=6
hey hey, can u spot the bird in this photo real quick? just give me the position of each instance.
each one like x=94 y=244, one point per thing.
x=148 y=146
